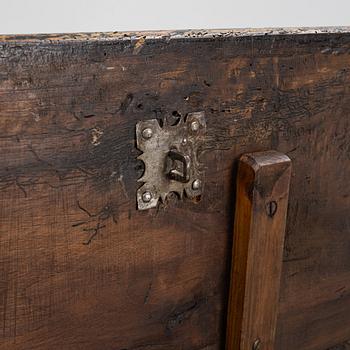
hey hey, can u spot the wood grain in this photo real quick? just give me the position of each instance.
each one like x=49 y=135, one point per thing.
x=260 y=219
x=81 y=267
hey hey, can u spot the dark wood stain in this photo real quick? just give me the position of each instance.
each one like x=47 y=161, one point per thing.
x=81 y=268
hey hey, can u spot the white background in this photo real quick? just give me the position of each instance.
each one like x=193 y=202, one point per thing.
x=59 y=16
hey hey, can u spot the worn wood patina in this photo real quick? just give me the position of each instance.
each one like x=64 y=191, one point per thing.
x=82 y=268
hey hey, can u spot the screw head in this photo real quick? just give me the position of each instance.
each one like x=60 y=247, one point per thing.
x=147 y=196
x=196 y=184
x=195 y=125
x=147 y=133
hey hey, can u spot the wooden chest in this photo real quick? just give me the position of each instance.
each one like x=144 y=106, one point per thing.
x=82 y=267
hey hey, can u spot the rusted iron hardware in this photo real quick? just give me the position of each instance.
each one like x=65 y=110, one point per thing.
x=170 y=155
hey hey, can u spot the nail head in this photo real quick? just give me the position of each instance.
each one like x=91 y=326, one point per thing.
x=196 y=184
x=147 y=196
x=256 y=345
x=147 y=133
x=195 y=125
x=271 y=208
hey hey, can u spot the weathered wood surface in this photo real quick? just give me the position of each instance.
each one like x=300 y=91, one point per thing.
x=259 y=229
x=80 y=268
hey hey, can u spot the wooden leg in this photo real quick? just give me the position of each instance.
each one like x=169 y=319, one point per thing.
x=260 y=219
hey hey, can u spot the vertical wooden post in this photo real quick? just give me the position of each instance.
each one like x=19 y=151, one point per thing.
x=259 y=228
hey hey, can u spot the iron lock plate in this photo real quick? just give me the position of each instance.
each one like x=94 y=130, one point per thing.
x=170 y=156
